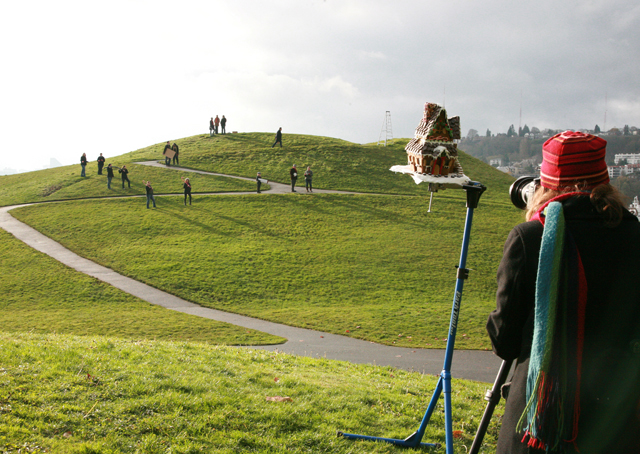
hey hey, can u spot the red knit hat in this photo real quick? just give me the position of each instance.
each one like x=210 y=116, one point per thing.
x=571 y=158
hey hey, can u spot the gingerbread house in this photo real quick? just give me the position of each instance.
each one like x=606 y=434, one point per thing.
x=433 y=150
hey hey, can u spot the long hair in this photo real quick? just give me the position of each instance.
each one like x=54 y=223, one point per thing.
x=606 y=200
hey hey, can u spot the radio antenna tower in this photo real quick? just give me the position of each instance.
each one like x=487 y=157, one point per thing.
x=386 y=132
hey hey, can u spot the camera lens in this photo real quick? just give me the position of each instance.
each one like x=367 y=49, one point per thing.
x=522 y=190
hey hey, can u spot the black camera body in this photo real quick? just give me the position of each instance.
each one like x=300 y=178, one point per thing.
x=522 y=190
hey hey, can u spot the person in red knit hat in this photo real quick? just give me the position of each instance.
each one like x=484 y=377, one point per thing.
x=568 y=310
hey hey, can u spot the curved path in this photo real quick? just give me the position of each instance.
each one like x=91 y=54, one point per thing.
x=468 y=364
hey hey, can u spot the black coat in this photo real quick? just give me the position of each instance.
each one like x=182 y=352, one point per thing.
x=610 y=387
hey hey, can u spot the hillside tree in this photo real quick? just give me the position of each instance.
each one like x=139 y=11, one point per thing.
x=488 y=134
x=596 y=130
x=511 y=132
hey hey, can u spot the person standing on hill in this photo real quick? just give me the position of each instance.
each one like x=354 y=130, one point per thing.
x=175 y=156
x=109 y=176
x=150 y=197
x=259 y=181
x=100 y=164
x=278 y=138
x=187 y=190
x=216 y=123
x=211 y=127
x=308 y=175
x=293 y=173
x=568 y=310
x=83 y=163
x=223 y=123
x=123 y=173
x=167 y=159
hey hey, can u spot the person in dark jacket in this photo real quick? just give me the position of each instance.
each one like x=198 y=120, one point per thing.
x=150 y=197
x=100 y=163
x=259 y=181
x=167 y=158
x=212 y=127
x=278 y=138
x=293 y=173
x=124 y=172
x=83 y=163
x=187 y=190
x=175 y=148
x=308 y=179
x=594 y=344
x=223 y=124
x=109 y=176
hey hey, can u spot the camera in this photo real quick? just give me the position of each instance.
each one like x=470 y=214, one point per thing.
x=522 y=190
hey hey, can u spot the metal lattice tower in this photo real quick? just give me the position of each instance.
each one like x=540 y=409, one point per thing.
x=386 y=132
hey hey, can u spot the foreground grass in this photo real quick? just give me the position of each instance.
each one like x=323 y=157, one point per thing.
x=372 y=267
x=337 y=164
x=41 y=295
x=67 y=394
x=63 y=183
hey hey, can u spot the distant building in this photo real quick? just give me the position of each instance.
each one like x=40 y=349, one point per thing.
x=631 y=158
x=621 y=171
x=634 y=208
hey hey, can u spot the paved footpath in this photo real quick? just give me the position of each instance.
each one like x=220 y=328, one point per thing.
x=468 y=364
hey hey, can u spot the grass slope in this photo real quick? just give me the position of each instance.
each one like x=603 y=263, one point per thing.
x=40 y=295
x=63 y=183
x=373 y=267
x=337 y=164
x=100 y=395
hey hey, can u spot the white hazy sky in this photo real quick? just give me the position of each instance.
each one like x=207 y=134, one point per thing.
x=112 y=77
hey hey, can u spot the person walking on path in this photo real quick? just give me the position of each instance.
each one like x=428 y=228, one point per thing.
x=216 y=123
x=175 y=156
x=83 y=163
x=308 y=175
x=100 y=164
x=109 y=176
x=150 y=197
x=259 y=181
x=167 y=158
x=278 y=138
x=211 y=127
x=187 y=190
x=293 y=172
x=223 y=124
x=123 y=173
x=568 y=311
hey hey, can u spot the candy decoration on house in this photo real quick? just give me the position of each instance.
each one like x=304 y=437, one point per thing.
x=433 y=153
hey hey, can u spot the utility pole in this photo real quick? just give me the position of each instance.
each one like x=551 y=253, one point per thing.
x=386 y=132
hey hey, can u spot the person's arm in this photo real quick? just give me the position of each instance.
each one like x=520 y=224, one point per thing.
x=514 y=298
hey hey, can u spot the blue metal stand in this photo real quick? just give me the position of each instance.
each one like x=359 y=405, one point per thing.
x=474 y=191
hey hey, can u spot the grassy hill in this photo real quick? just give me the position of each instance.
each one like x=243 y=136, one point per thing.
x=377 y=266
x=82 y=395
x=374 y=267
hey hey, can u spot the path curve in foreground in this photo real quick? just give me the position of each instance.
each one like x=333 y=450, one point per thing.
x=467 y=364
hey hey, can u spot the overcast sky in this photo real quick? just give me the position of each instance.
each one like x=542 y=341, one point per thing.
x=112 y=77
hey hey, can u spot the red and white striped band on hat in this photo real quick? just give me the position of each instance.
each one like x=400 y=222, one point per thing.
x=571 y=158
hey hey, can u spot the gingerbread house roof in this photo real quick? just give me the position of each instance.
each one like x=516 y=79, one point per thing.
x=435 y=125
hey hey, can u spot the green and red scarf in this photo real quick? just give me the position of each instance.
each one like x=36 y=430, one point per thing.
x=550 y=419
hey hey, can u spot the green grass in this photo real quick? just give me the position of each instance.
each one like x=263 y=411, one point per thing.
x=40 y=295
x=337 y=164
x=372 y=267
x=63 y=183
x=101 y=395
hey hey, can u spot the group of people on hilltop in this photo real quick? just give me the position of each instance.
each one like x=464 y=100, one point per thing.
x=217 y=123
x=123 y=171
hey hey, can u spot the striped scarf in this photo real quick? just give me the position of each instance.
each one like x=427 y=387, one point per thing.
x=550 y=418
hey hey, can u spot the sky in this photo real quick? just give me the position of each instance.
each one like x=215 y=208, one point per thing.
x=112 y=77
